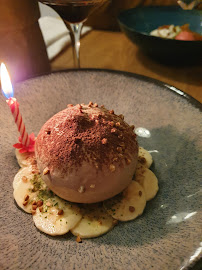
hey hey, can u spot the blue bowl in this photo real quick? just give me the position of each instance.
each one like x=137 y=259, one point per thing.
x=137 y=24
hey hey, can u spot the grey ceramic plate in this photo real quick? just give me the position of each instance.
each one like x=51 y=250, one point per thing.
x=166 y=236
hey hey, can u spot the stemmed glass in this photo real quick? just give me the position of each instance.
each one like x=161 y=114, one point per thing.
x=74 y=13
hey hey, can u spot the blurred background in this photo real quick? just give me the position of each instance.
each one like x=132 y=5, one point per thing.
x=105 y=18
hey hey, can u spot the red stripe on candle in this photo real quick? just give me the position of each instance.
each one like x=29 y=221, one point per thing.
x=22 y=135
x=20 y=123
x=16 y=118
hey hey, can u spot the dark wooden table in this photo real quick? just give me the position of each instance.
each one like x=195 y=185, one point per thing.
x=112 y=50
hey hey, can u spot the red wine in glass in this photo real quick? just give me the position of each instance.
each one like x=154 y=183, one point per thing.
x=74 y=13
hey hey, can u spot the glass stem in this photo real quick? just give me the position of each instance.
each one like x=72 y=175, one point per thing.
x=76 y=31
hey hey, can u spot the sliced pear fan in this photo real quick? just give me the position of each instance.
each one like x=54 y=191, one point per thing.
x=57 y=216
x=23 y=186
x=129 y=204
x=144 y=157
x=147 y=179
x=95 y=222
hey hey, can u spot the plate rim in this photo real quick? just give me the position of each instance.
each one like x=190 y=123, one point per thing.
x=162 y=84
x=171 y=88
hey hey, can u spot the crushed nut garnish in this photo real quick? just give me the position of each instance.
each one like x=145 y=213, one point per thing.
x=26 y=198
x=140 y=193
x=104 y=141
x=46 y=171
x=132 y=127
x=120 y=136
x=113 y=130
x=122 y=144
x=121 y=116
x=34 y=206
x=115 y=159
x=96 y=166
x=128 y=161
x=112 y=168
x=33 y=162
x=48 y=204
x=119 y=149
x=131 y=209
x=111 y=111
x=95 y=105
x=115 y=221
x=111 y=123
x=92 y=186
x=39 y=203
x=24 y=179
x=118 y=124
x=90 y=103
x=60 y=212
x=81 y=189
x=142 y=160
x=78 y=239
x=25 y=203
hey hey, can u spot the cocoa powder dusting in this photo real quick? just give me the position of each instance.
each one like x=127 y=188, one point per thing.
x=81 y=136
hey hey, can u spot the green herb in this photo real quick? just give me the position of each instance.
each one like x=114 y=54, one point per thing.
x=45 y=194
x=37 y=182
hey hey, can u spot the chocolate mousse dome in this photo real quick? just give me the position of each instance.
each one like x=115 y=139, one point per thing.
x=86 y=153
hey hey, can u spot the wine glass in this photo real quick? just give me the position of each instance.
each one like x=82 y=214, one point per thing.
x=74 y=13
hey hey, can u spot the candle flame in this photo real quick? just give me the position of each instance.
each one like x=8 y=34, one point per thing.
x=6 y=85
